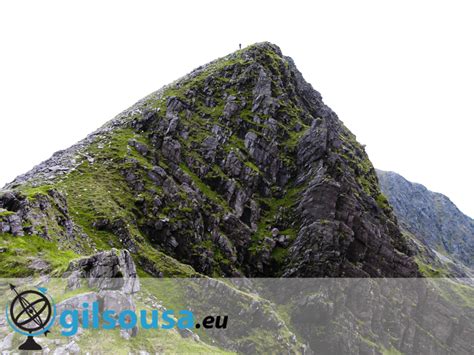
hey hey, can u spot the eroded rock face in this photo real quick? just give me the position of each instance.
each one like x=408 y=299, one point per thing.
x=206 y=170
x=113 y=274
x=107 y=270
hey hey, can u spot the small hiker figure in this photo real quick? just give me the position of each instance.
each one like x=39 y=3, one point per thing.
x=240 y=46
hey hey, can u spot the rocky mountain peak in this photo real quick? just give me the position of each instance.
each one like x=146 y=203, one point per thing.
x=238 y=168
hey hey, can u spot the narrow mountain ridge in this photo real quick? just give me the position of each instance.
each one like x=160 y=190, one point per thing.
x=237 y=169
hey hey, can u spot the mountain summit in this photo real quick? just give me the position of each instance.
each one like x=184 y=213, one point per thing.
x=237 y=169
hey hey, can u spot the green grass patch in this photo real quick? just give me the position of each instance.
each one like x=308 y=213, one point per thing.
x=20 y=251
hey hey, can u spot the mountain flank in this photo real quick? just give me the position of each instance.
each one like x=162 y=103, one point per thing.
x=431 y=217
x=236 y=169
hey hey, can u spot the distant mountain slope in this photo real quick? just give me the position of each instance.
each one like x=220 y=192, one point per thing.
x=430 y=216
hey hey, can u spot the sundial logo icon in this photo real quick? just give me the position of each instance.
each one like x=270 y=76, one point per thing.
x=31 y=313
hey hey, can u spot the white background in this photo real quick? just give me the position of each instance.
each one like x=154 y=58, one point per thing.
x=399 y=74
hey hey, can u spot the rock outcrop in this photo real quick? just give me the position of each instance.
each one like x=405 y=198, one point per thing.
x=107 y=270
x=112 y=274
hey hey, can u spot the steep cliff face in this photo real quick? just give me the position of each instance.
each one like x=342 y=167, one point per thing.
x=431 y=217
x=238 y=168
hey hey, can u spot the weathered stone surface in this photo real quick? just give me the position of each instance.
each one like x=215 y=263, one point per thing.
x=39 y=265
x=140 y=147
x=171 y=149
x=116 y=301
x=108 y=270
